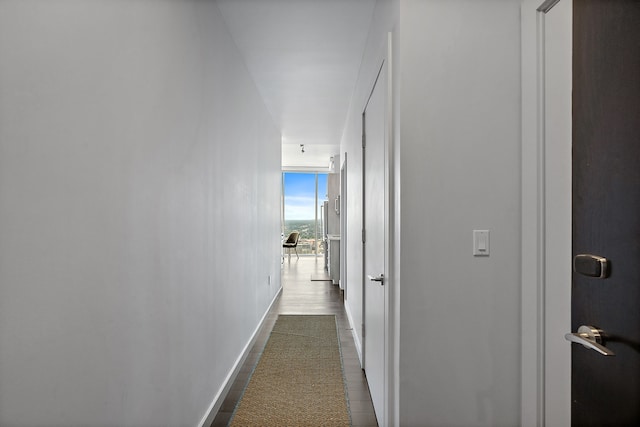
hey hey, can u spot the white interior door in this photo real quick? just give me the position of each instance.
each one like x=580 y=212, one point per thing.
x=374 y=186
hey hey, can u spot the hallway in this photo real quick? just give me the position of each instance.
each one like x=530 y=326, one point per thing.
x=302 y=296
x=139 y=141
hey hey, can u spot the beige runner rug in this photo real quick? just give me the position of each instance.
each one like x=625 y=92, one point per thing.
x=299 y=379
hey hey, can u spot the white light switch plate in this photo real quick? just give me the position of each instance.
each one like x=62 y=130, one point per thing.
x=481 y=243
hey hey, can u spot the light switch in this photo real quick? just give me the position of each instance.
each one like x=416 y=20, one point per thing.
x=481 y=242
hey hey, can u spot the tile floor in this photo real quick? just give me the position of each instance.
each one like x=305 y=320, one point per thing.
x=302 y=296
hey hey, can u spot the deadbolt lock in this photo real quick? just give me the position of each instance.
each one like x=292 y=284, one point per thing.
x=591 y=266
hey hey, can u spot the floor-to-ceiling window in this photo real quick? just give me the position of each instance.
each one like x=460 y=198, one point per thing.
x=304 y=194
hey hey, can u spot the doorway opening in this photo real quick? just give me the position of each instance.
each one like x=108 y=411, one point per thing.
x=302 y=210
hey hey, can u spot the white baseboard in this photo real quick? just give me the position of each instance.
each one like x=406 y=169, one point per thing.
x=356 y=338
x=213 y=409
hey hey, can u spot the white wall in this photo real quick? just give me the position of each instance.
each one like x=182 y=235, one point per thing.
x=456 y=167
x=139 y=211
x=460 y=170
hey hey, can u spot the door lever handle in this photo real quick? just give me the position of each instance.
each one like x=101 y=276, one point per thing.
x=379 y=278
x=589 y=337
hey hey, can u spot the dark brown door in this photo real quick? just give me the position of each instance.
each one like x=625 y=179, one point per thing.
x=606 y=209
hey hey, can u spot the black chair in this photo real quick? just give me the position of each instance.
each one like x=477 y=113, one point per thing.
x=292 y=242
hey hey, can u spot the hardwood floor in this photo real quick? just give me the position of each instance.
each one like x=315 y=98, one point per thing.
x=302 y=296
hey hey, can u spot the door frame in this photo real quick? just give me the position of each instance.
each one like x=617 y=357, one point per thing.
x=545 y=390
x=390 y=287
x=343 y=226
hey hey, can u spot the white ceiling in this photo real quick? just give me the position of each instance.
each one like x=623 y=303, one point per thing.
x=304 y=56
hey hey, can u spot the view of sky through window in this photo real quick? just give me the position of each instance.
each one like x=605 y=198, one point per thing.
x=300 y=194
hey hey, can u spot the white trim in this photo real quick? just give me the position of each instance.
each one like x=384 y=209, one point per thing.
x=536 y=176
x=390 y=380
x=532 y=392
x=541 y=218
x=389 y=237
x=218 y=399
x=356 y=339
x=532 y=344
x=343 y=225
